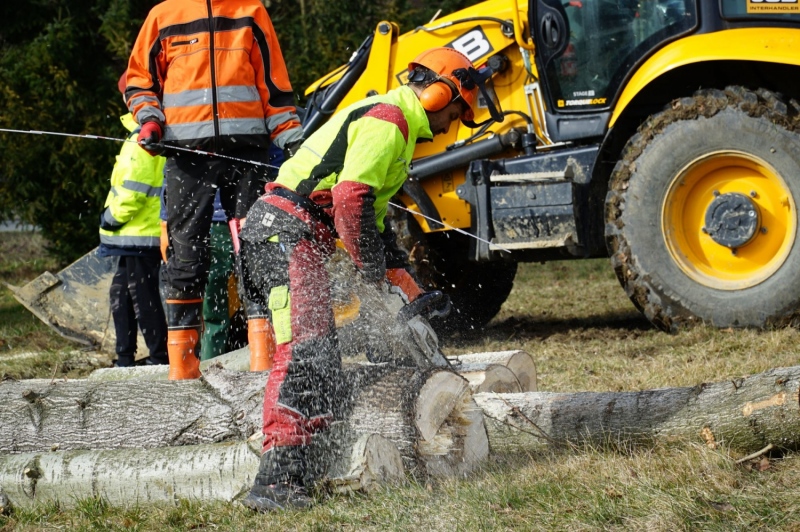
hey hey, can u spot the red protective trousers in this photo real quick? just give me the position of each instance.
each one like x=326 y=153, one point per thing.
x=284 y=250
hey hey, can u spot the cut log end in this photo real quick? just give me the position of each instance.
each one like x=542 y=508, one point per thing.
x=453 y=437
x=519 y=362
x=374 y=461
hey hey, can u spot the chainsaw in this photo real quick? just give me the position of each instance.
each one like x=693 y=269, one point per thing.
x=415 y=331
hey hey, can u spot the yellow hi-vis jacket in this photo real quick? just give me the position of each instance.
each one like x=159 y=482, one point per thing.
x=130 y=223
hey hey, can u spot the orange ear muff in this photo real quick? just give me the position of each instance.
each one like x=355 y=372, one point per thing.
x=436 y=96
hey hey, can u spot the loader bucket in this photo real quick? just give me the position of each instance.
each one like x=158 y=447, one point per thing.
x=75 y=301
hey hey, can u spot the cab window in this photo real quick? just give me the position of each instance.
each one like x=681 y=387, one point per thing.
x=606 y=39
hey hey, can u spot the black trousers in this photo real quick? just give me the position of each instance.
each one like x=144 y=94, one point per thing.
x=192 y=181
x=136 y=304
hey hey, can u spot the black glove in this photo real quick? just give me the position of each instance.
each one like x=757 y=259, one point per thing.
x=290 y=149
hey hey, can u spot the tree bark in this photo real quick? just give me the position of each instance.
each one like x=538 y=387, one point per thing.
x=744 y=414
x=125 y=477
x=520 y=364
x=40 y=414
x=214 y=472
x=125 y=445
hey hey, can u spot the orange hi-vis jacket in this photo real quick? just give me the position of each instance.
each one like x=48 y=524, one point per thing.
x=212 y=74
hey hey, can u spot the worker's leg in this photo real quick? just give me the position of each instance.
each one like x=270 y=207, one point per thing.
x=143 y=281
x=300 y=388
x=123 y=315
x=216 y=317
x=260 y=334
x=190 y=180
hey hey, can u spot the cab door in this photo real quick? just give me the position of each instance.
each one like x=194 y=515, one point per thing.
x=587 y=49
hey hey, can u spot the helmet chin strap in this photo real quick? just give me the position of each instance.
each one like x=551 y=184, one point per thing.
x=481 y=79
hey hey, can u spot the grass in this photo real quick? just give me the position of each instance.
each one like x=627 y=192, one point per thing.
x=584 y=334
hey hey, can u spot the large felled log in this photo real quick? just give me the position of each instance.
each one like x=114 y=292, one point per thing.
x=745 y=414
x=428 y=417
x=214 y=472
x=130 y=476
x=41 y=414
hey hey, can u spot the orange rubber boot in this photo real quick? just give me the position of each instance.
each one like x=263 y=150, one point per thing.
x=261 y=338
x=182 y=348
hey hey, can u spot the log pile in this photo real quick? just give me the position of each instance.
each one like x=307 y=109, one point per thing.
x=201 y=439
x=139 y=440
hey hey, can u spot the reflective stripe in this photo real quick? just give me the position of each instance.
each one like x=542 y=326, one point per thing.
x=290 y=135
x=273 y=121
x=235 y=93
x=200 y=130
x=242 y=126
x=109 y=218
x=191 y=130
x=187 y=98
x=149 y=111
x=128 y=240
x=142 y=188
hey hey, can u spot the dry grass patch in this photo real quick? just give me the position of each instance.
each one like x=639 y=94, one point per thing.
x=585 y=335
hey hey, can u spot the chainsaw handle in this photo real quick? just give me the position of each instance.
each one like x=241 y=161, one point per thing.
x=429 y=301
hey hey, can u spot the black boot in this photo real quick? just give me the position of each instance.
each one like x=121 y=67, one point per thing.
x=280 y=482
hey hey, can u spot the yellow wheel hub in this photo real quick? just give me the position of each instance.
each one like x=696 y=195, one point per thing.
x=729 y=220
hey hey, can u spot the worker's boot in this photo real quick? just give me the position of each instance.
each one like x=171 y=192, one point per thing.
x=185 y=325
x=261 y=339
x=280 y=482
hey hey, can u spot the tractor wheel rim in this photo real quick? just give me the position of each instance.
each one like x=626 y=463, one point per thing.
x=728 y=220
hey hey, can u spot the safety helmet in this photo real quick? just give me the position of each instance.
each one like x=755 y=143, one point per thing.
x=451 y=68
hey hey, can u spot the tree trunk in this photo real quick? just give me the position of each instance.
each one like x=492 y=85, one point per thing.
x=214 y=472
x=125 y=477
x=744 y=414
x=40 y=415
x=83 y=431
x=520 y=364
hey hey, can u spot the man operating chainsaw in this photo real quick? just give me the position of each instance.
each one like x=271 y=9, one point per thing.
x=338 y=185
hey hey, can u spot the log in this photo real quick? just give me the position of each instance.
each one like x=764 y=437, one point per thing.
x=520 y=363
x=743 y=414
x=427 y=415
x=213 y=472
x=484 y=378
x=41 y=415
x=130 y=476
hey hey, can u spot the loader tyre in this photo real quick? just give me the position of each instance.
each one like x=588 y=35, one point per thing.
x=701 y=213
x=477 y=290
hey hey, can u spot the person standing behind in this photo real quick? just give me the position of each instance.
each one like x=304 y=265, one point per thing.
x=129 y=229
x=216 y=305
x=207 y=75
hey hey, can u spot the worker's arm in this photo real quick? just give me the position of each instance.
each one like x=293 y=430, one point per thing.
x=375 y=142
x=136 y=176
x=272 y=82
x=145 y=75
